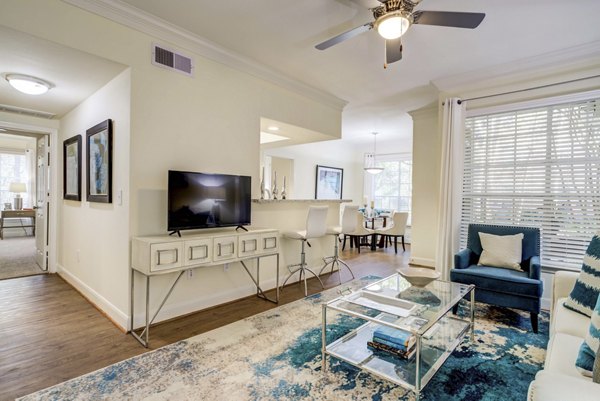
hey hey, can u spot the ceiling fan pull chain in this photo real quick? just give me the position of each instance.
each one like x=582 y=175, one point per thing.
x=385 y=64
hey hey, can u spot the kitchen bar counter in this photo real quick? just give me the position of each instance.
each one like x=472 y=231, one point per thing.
x=301 y=200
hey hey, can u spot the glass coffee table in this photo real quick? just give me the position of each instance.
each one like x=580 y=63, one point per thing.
x=422 y=312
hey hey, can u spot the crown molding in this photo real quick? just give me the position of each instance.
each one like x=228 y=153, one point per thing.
x=549 y=62
x=149 y=24
x=428 y=111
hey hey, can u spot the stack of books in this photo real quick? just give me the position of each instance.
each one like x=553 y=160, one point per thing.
x=397 y=342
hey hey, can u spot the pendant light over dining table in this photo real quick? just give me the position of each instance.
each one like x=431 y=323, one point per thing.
x=372 y=167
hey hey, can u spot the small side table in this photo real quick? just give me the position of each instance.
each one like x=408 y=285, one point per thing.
x=17 y=214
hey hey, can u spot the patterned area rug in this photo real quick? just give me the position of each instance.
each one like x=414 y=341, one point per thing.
x=276 y=355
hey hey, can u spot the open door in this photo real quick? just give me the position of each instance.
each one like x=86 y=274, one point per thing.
x=41 y=206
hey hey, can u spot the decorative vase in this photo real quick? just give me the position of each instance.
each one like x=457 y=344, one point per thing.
x=274 y=190
x=283 y=194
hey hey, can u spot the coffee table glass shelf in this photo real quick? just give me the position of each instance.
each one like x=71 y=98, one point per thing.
x=394 y=302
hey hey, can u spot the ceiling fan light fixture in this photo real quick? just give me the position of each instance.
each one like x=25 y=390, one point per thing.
x=28 y=84
x=392 y=25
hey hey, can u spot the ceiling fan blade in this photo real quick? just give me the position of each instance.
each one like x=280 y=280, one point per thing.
x=447 y=18
x=344 y=36
x=393 y=50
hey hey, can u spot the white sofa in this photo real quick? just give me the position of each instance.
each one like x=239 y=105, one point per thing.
x=560 y=380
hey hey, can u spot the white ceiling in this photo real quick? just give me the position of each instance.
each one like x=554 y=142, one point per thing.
x=282 y=33
x=75 y=74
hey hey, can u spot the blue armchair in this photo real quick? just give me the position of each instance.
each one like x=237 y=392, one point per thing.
x=503 y=287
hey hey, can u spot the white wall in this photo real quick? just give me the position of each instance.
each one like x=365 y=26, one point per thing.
x=209 y=123
x=328 y=153
x=94 y=237
x=425 y=185
x=17 y=143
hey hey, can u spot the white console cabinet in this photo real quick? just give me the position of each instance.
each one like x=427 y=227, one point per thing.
x=166 y=254
x=157 y=255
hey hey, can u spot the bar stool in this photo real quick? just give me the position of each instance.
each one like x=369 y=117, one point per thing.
x=315 y=227
x=348 y=225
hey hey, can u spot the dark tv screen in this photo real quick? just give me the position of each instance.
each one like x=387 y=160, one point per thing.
x=199 y=200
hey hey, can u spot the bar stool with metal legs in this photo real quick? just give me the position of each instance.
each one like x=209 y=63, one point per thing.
x=349 y=223
x=316 y=226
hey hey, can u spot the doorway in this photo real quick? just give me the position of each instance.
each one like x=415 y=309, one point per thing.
x=24 y=189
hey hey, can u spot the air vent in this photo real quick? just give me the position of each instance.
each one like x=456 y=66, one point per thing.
x=26 y=112
x=166 y=58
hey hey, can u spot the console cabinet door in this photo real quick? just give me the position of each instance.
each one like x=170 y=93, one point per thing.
x=224 y=248
x=269 y=242
x=198 y=251
x=165 y=256
x=248 y=245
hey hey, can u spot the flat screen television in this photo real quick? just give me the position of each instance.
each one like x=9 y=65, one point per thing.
x=199 y=200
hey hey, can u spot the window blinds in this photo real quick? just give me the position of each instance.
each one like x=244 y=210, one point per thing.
x=537 y=167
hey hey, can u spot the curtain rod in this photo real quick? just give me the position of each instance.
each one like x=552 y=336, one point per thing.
x=528 y=89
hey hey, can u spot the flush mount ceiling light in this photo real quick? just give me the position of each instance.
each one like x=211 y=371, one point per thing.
x=273 y=128
x=373 y=169
x=392 y=25
x=28 y=84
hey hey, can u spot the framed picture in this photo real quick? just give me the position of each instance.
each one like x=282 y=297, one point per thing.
x=99 y=163
x=329 y=183
x=72 y=168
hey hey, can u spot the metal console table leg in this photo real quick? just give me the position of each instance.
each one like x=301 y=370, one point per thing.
x=144 y=337
x=259 y=291
x=146 y=332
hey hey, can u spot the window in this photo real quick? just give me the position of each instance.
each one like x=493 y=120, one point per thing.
x=537 y=167
x=13 y=168
x=392 y=188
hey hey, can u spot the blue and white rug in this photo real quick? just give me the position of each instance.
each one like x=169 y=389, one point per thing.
x=276 y=355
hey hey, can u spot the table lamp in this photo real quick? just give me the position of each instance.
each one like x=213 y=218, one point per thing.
x=17 y=188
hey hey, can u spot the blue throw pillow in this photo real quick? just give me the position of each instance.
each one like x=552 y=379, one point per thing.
x=587 y=351
x=585 y=293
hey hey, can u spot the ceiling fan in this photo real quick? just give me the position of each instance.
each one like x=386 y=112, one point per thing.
x=394 y=17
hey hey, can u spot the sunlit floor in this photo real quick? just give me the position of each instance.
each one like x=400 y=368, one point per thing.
x=17 y=255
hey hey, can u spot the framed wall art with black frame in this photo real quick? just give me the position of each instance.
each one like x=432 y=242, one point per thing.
x=72 y=168
x=99 y=162
x=329 y=182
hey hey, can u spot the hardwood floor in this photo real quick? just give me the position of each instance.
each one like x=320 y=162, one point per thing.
x=49 y=333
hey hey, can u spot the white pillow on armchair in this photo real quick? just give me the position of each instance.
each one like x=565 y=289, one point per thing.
x=501 y=251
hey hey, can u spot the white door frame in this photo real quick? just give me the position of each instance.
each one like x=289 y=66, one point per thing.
x=53 y=198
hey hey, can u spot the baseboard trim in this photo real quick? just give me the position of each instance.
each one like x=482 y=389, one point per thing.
x=170 y=311
x=112 y=313
x=422 y=262
x=546 y=304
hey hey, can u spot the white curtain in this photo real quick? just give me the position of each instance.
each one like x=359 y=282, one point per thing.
x=451 y=174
